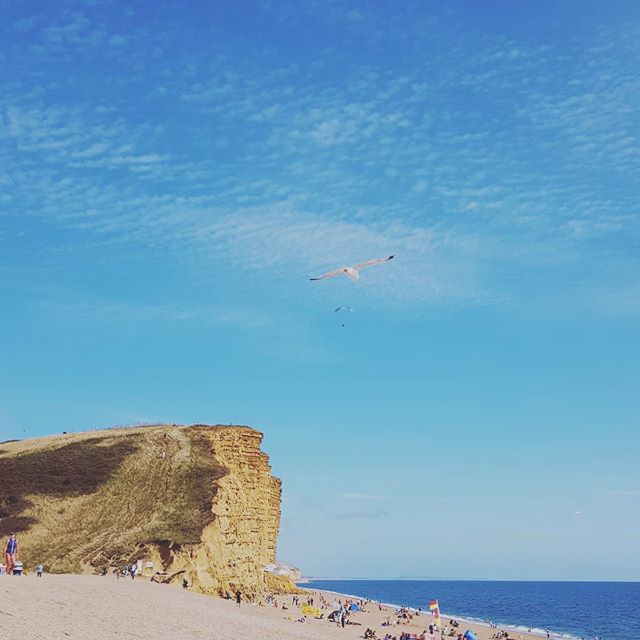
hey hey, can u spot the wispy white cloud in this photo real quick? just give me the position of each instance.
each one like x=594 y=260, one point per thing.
x=361 y=496
x=109 y=313
x=625 y=492
x=284 y=168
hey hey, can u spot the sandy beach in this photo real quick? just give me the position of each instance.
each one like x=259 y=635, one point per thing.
x=86 y=607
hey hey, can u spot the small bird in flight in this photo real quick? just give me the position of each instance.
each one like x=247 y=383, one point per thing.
x=340 y=308
x=352 y=272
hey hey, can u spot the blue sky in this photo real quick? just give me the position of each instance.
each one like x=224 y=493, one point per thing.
x=172 y=173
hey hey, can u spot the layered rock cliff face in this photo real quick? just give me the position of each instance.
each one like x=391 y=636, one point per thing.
x=241 y=538
x=185 y=502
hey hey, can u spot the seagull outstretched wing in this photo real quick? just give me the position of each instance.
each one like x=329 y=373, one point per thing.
x=370 y=263
x=329 y=274
x=352 y=272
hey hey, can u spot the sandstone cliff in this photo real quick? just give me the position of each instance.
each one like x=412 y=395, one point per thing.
x=188 y=502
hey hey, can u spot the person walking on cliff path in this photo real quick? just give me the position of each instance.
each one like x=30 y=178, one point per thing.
x=238 y=597
x=11 y=551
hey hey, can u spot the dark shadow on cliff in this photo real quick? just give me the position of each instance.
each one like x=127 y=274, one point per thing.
x=74 y=469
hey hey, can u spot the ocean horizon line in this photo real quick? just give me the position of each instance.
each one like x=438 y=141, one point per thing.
x=305 y=579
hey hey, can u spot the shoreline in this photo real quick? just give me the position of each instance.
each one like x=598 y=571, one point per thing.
x=507 y=626
x=63 y=606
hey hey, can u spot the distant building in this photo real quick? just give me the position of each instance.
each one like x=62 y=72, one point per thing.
x=284 y=569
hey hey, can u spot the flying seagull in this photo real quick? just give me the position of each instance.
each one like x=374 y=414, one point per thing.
x=340 y=308
x=352 y=272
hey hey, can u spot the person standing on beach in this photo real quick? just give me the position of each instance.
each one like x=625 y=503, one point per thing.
x=39 y=570
x=238 y=597
x=11 y=550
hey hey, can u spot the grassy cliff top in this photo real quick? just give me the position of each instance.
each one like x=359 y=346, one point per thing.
x=95 y=499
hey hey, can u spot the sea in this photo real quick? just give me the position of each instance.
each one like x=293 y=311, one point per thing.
x=606 y=610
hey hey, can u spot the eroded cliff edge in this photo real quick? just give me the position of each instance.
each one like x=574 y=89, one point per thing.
x=193 y=502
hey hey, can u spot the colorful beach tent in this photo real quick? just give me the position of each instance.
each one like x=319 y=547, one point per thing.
x=354 y=607
x=469 y=635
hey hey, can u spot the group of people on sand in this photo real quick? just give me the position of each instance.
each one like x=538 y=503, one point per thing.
x=403 y=636
x=340 y=613
x=11 y=554
x=126 y=571
x=425 y=635
x=342 y=610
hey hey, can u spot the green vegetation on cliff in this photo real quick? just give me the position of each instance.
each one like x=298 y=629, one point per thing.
x=81 y=502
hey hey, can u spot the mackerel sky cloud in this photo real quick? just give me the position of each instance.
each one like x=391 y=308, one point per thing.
x=506 y=152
